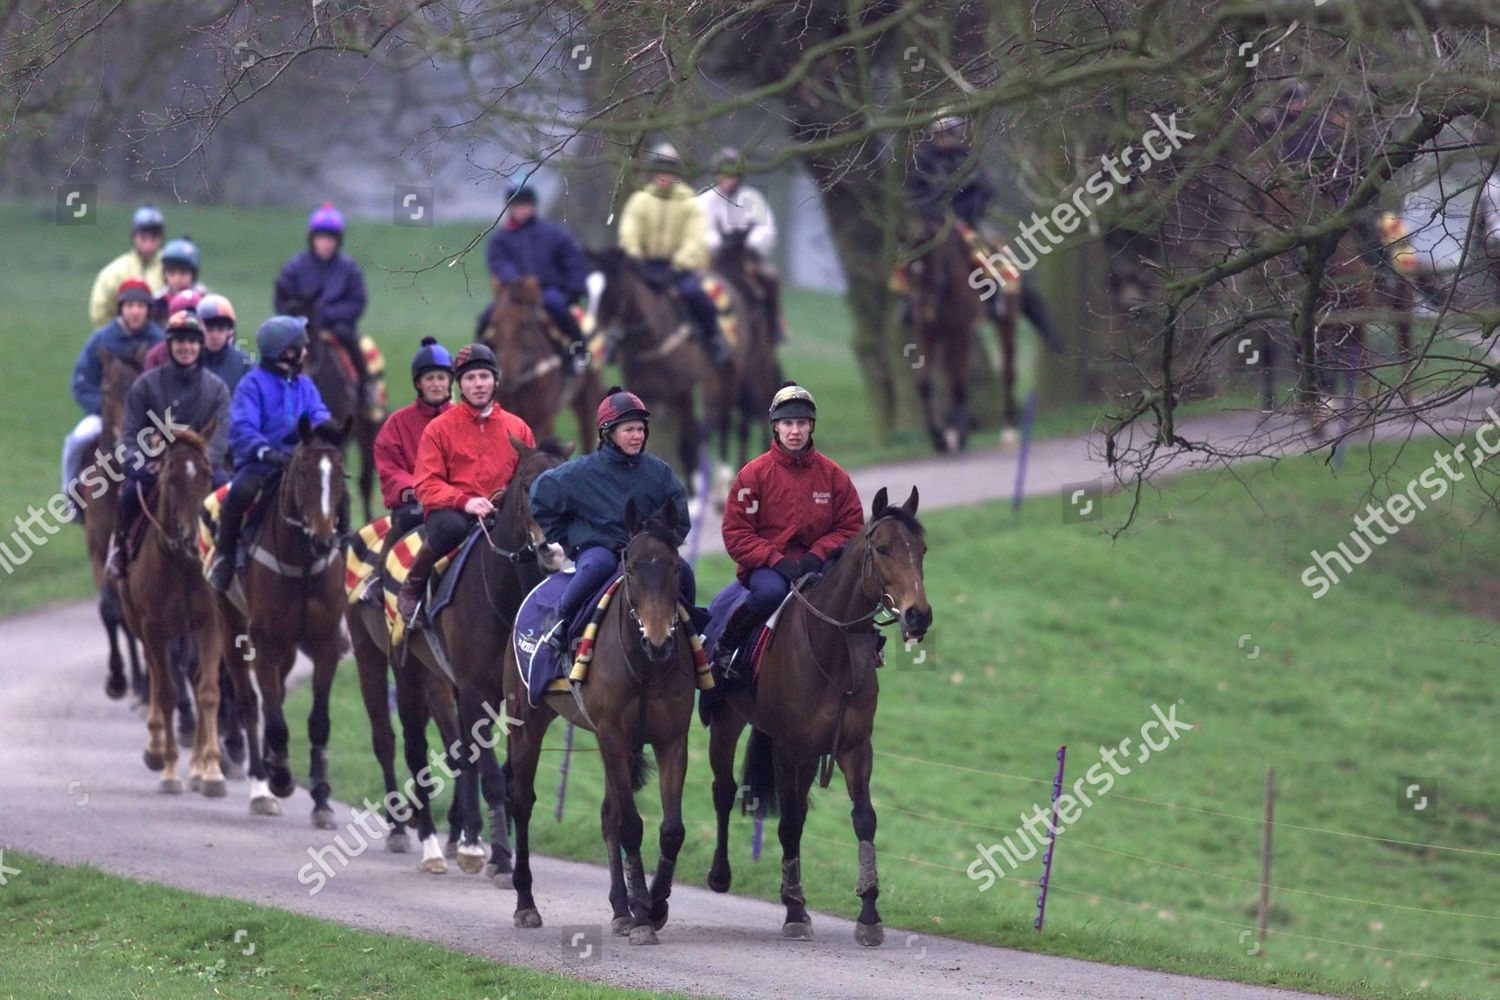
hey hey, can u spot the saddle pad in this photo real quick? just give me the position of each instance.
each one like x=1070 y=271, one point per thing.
x=208 y=522
x=538 y=664
x=718 y=293
x=398 y=565
x=361 y=562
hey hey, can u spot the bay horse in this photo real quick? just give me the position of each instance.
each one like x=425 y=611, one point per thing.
x=661 y=359
x=339 y=387
x=120 y=373
x=759 y=373
x=474 y=631
x=290 y=596
x=640 y=690
x=815 y=697
x=533 y=384
x=166 y=598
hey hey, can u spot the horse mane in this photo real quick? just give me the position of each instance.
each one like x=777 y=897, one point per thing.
x=189 y=437
x=554 y=446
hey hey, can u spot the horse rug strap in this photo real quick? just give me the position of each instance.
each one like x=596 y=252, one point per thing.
x=208 y=525
x=719 y=294
x=362 y=562
x=439 y=586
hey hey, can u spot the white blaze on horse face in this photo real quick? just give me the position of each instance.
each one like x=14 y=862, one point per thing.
x=192 y=470
x=325 y=469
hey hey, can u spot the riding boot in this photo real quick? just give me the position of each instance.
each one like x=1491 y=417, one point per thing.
x=414 y=587
x=736 y=630
x=226 y=541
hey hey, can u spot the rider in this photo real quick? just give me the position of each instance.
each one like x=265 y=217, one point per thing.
x=581 y=505
x=129 y=332
x=528 y=244
x=397 y=443
x=263 y=418
x=730 y=205
x=220 y=354
x=325 y=280
x=465 y=457
x=140 y=261
x=183 y=392
x=663 y=226
x=179 y=265
x=796 y=507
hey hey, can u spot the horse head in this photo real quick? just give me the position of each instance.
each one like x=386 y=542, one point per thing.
x=119 y=373
x=893 y=551
x=183 y=483
x=514 y=517
x=313 y=485
x=651 y=577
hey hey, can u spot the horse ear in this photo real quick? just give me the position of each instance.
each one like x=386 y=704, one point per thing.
x=879 y=504
x=910 y=506
x=209 y=429
x=518 y=445
x=569 y=448
x=667 y=513
x=632 y=516
x=304 y=428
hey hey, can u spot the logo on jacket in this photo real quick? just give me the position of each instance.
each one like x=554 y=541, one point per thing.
x=825 y=497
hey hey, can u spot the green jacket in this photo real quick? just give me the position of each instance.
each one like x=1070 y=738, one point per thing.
x=128 y=265
x=665 y=225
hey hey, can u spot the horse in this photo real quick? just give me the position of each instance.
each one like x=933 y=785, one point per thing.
x=661 y=359
x=500 y=572
x=340 y=389
x=165 y=598
x=290 y=596
x=815 y=697
x=756 y=364
x=98 y=510
x=640 y=690
x=533 y=384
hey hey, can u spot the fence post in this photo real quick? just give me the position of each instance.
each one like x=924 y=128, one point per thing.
x=1265 y=858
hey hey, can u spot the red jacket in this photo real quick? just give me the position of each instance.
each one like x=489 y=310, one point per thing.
x=463 y=455
x=786 y=505
x=396 y=448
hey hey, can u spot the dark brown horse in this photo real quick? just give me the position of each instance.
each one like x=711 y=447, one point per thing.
x=533 y=384
x=120 y=372
x=757 y=370
x=290 y=596
x=640 y=690
x=165 y=597
x=473 y=634
x=815 y=697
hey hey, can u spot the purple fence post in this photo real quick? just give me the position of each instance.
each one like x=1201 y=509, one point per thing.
x=1027 y=419
x=562 y=777
x=1041 y=898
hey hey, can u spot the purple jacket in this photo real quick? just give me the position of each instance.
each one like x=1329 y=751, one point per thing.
x=337 y=285
x=264 y=411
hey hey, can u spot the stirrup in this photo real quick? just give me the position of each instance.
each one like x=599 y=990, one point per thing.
x=554 y=638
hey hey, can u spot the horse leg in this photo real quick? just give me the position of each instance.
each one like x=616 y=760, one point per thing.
x=208 y=774
x=183 y=657
x=369 y=661
x=242 y=661
x=856 y=763
x=229 y=724
x=325 y=664
x=924 y=392
x=619 y=898
x=271 y=665
x=525 y=746
x=411 y=706
x=723 y=739
x=671 y=772
x=471 y=718
x=1268 y=376
x=492 y=779
x=792 y=784
x=116 y=685
x=161 y=751
x=367 y=431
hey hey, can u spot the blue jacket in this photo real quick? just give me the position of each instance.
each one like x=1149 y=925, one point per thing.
x=541 y=248
x=265 y=409
x=582 y=502
x=337 y=285
x=229 y=363
x=88 y=371
x=950 y=176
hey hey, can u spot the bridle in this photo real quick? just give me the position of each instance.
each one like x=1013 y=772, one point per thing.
x=284 y=501
x=630 y=612
x=886 y=603
x=184 y=544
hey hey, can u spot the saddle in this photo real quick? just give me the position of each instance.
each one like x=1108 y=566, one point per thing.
x=446 y=573
x=208 y=522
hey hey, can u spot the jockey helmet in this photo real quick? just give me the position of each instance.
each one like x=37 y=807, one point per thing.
x=792 y=402
x=212 y=307
x=619 y=406
x=430 y=357
x=184 y=326
x=948 y=124
x=182 y=253
x=472 y=356
x=133 y=290
x=664 y=157
x=325 y=219
x=147 y=218
x=188 y=299
x=279 y=333
x=729 y=162
x=521 y=195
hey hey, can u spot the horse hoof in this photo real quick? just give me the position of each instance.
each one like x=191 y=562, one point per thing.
x=213 y=788
x=282 y=785
x=869 y=935
x=397 y=843
x=716 y=882
x=434 y=866
x=264 y=805
x=154 y=761
x=643 y=935
x=170 y=786
x=115 y=688
x=470 y=860
x=195 y=783
x=620 y=926
x=322 y=818
x=497 y=868
x=659 y=915
x=528 y=918
x=795 y=931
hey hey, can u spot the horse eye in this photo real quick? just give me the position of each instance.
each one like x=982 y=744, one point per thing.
x=884 y=550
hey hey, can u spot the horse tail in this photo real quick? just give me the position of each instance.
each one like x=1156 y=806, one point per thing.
x=641 y=768
x=759 y=781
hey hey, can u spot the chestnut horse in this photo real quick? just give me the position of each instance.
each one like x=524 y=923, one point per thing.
x=815 y=697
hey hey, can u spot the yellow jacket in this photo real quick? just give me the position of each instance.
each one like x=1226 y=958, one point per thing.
x=128 y=265
x=665 y=225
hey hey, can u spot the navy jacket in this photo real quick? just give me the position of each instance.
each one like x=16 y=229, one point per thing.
x=949 y=177
x=189 y=398
x=582 y=502
x=541 y=248
x=337 y=285
x=88 y=371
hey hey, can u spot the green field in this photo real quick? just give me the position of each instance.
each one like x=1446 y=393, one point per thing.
x=78 y=933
